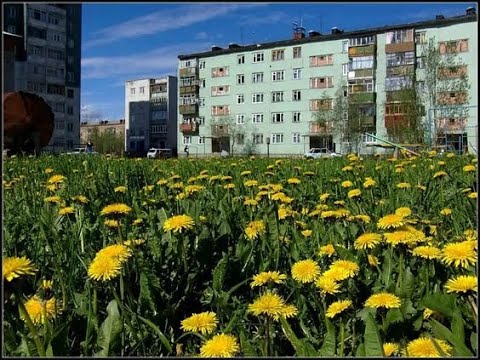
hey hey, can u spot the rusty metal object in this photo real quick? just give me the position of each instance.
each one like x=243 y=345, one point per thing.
x=28 y=122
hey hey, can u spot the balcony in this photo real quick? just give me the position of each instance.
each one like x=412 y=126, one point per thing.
x=363 y=97
x=447 y=125
x=361 y=73
x=192 y=89
x=367 y=121
x=400 y=70
x=189 y=128
x=219 y=131
x=317 y=128
x=401 y=47
x=188 y=109
x=187 y=72
x=362 y=50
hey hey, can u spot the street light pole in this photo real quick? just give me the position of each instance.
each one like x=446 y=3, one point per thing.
x=268 y=147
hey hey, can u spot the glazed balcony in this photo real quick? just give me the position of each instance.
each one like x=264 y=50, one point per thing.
x=401 y=47
x=191 y=89
x=219 y=131
x=187 y=72
x=188 y=109
x=451 y=125
x=363 y=97
x=361 y=73
x=189 y=128
x=317 y=128
x=362 y=50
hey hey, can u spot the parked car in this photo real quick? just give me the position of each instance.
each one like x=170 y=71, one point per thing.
x=81 y=151
x=156 y=153
x=317 y=153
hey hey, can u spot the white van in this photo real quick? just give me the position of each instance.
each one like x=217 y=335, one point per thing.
x=156 y=153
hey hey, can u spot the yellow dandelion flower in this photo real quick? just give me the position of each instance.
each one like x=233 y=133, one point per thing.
x=324 y=196
x=48 y=170
x=403 y=185
x=250 y=202
x=116 y=251
x=383 y=299
x=162 y=182
x=354 y=193
x=326 y=250
x=369 y=182
x=391 y=221
x=116 y=209
x=390 y=349
x=294 y=181
x=268 y=276
x=66 y=210
x=38 y=310
x=372 y=260
x=424 y=347
x=427 y=313
x=327 y=285
x=403 y=211
x=446 y=211
x=469 y=168
x=56 y=179
x=178 y=223
x=134 y=242
x=254 y=229
x=53 y=199
x=305 y=271
x=271 y=305
x=104 y=268
x=120 y=189
x=307 y=233
x=439 y=174
x=459 y=255
x=137 y=222
x=337 y=307
x=427 y=252
x=250 y=183
x=222 y=345
x=113 y=224
x=245 y=173
x=347 y=184
x=80 y=199
x=365 y=218
x=14 y=267
x=347 y=168
x=462 y=284
x=205 y=322
x=367 y=241
x=229 y=186
x=472 y=195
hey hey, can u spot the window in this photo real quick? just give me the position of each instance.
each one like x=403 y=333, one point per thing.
x=158 y=129
x=452 y=47
x=36 y=32
x=12 y=29
x=70 y=76
x=69 y=127
x=257 y=118
x=258 y=138
x=321 y=104
x=296 y=138
x=240 y=99
x=55 y=37
x=12 y=12
x=220 y=90
x=202 y=81
x=399 y=36
x=201 y=102
x=187 y=140
x=296 y=117
x=344 y=46
x=240 y=79
x=55 y=89
x=364 y=40
x=397 y=83
x=345 y=69
x=420 y=86
x=240 y=119
x=297 y=95
x=278 y=75
x=188 y=63
x=132 y=91
x=59 y=107
x=70 y=93
x=201 y=64
x=420 y=62
x=37 y=15
x=297 y=74
x=257 y=98
x=240 y=59
x=258 y=57
x=277 y=138
x=36 y=69
x=70 y=110
x=219 y=110
x=368 y=138
x=240 y=139
x=277 y=117
x=278 y=55
x=35 y=50
x=277 y=96
x=401 y=58
x=201 y=140
x=321 y=82
x=142 y=90
x=257 y=77
x=220 y=71
x=71 y=43
x=297 y=52
x=421 y=37
x=321 y=60
x=70 y=59
x=54 y=19
x=362 y=62
x=59 y=125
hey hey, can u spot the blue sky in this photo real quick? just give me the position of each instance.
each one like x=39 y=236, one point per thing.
x=132 y=40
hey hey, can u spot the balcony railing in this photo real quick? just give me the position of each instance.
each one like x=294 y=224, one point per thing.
x=317 y=128
x=188 y=109
x=401 y=47
x=189 y=128
x=361 y=73
x=364 y=97
x=448 y=125
x=191 y=89
x=191 y=71
x=362 y=50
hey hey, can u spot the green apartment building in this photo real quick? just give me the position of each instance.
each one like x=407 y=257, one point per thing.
x=266 y=97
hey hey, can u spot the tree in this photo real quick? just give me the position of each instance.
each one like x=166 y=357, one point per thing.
x=444 y=74
x=107 y=142
x=226 y=127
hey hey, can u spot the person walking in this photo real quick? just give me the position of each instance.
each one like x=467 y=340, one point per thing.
x=186 y=151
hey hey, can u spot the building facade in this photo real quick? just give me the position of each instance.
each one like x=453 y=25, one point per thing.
x=88 y=128
x=47 y=62
x=266 y=97
x=151 y=114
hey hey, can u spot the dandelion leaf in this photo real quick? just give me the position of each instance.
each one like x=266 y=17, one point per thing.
x=110 y=330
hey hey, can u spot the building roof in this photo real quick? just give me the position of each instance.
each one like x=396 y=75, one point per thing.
x=329 y=37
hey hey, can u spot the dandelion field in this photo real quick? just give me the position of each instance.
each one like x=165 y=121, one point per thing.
x=108 y=256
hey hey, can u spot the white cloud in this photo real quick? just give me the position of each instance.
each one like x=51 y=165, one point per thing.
x=201 y=35
x=165 y=20
x=161 y=60
x=276 y=17
x=91 y=113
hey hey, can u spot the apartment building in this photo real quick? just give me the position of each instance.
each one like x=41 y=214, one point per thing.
x=87 y=129
x=264 y=97
x=150 y=114
x=47 y=61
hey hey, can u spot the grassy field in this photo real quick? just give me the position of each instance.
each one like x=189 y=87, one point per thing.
x=240 y=256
